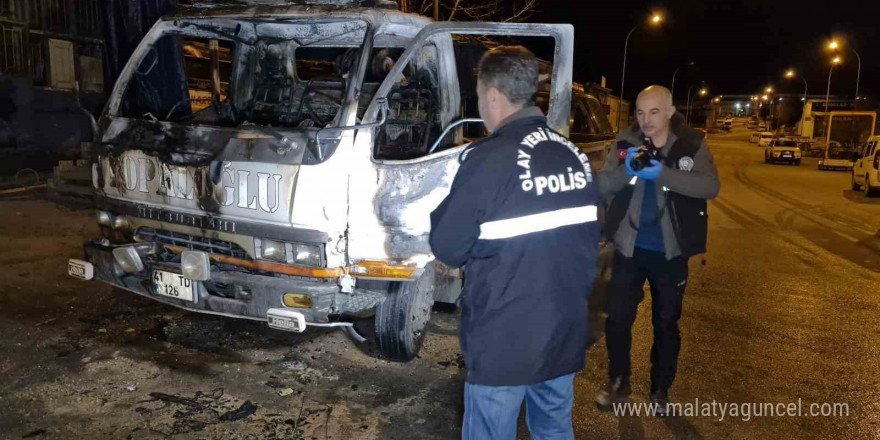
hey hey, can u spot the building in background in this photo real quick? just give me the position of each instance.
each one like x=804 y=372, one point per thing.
x=58 y=61
x=48 y=48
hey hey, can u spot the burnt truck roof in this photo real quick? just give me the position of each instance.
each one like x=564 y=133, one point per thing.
x=270 y=9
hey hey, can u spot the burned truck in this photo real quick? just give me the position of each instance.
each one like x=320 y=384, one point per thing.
x=279 y=163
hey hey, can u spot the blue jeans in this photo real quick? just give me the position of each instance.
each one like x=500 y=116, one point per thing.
x=490 y=413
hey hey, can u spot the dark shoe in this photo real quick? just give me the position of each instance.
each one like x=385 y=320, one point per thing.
x=660 y=402
x=616 y=391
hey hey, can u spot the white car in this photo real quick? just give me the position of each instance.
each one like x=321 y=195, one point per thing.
x=764 y=138
x=865 y=173
x=782 y=150
x=755 y=137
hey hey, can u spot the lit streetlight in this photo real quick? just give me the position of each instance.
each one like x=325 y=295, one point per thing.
x=655 y=19
x=702 y=91
x=834 y=62
x=833 y=46
x=791 y=74
x=768 y=90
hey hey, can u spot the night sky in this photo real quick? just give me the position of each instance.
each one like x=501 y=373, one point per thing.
x=739 y=46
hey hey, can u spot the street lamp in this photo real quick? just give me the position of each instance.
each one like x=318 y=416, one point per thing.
x=768 y=90
x=834 y=62
x=672 y=91
x=833 y=46
x=655 y=19
x=702 y=92
x=791 y=74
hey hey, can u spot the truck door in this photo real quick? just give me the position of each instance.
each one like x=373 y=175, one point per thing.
x=391 y=202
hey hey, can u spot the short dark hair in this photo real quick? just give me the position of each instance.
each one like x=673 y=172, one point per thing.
x=513 y=70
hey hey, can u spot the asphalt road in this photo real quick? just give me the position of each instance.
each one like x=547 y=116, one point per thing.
x=784 y=310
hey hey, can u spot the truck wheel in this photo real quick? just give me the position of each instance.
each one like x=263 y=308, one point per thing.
x=855 y=186
x=401 y=319
x=869 y=190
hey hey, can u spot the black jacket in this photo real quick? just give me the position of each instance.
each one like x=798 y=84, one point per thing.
x=521 y=218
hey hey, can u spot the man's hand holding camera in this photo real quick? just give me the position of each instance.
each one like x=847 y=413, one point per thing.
x=639 y=155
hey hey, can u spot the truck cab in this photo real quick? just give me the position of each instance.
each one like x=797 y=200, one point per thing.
x=279 y=163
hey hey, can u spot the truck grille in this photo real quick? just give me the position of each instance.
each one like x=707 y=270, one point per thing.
x=192 y=242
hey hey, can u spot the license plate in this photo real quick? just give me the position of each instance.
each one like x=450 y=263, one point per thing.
x=80 y=269
x=287 y=320
x=172 y=285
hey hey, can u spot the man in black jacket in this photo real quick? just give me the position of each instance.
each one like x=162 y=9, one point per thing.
x=521 y=218
x=657 y=220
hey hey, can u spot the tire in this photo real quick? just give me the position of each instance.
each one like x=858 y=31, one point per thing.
x=401 y=318
x=852 y=178
x=797 y=163
x=869 y=190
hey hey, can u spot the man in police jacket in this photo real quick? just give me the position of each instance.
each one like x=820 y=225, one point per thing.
x=521 y=219
x=657 y=220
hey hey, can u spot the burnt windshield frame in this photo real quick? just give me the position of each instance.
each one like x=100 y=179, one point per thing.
x=314 y=153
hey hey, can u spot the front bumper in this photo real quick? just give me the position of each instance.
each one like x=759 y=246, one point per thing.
x=785 y=158
x=236 y=293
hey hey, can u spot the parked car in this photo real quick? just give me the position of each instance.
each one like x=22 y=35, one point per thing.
x=764 y=138
x=762 y=126
x=752 y=123
x=815 y=148
x=755 y=137
x=782 y=150
x=866 y=171
x=283 y=186
x=727 y=125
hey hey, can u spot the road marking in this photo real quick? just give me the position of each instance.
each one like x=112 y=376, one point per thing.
x=847 y=236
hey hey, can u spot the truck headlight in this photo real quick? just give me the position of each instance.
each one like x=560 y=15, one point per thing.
x=105 y=219
x=195 y=265
x=307 y=254
x=122 y=223
x=273 y=250
x=290 y=253
x=128 y=259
